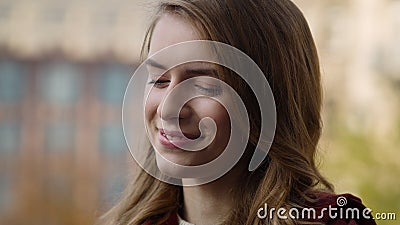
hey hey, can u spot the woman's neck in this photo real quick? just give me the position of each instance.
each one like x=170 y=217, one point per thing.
x=209 y=204
x=206 y=204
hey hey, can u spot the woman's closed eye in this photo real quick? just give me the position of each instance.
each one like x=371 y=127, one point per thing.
x=201 y=87
x=159 y=83
x=210 y=91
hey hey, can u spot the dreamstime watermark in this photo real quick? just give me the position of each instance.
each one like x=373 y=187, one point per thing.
x=332 y=212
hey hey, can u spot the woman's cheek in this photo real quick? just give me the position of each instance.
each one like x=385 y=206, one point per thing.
x=208 y=107
x=150 y=106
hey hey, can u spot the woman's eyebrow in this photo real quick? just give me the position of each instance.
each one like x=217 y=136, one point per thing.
x=211 y=72
x=191 y=71
x=153 y=63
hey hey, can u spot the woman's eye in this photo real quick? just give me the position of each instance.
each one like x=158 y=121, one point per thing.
x=159 y=83
x=209 y=91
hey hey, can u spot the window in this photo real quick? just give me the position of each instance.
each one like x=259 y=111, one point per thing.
x=60 y=82
x=111 y=139
x=12 y=81
x=113 y=81
x=9 y=137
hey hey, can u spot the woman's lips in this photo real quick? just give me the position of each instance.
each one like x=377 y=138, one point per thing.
x=171 y=139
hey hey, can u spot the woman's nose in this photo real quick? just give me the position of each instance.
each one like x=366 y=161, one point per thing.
x=174 y=105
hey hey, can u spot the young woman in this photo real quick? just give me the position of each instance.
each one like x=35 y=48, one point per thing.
x=276 y=36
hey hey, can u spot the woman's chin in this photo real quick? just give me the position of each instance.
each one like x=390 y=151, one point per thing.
x=175 y=166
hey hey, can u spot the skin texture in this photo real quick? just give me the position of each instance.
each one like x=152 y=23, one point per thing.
x=210 y=199
x=168 y=31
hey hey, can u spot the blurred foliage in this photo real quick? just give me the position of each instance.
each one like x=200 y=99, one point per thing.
x=364 y=165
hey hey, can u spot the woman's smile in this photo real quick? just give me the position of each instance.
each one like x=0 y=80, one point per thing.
x=172 y=139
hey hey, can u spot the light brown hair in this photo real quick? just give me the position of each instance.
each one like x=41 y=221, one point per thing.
x=275 y=34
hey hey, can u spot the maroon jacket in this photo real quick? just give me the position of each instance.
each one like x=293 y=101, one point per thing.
x=321 y=206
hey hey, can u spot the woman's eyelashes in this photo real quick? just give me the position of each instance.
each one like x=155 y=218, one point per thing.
x=204 y=89
x=209 y=91
x=159 y=83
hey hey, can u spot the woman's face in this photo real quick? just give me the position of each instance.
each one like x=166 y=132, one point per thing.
x=170 y=30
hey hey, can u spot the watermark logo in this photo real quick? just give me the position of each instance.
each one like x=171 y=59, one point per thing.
x=137 y=96
x=341 y=201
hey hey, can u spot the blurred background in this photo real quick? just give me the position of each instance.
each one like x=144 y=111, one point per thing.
x=64 y=67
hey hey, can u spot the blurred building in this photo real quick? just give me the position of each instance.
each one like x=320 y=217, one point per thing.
x=64 y=66
x=80 y=30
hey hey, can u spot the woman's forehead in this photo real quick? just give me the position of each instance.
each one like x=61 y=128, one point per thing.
x=169 y=30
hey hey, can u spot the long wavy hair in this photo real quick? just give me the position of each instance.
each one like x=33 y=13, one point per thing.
x=275 y=34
